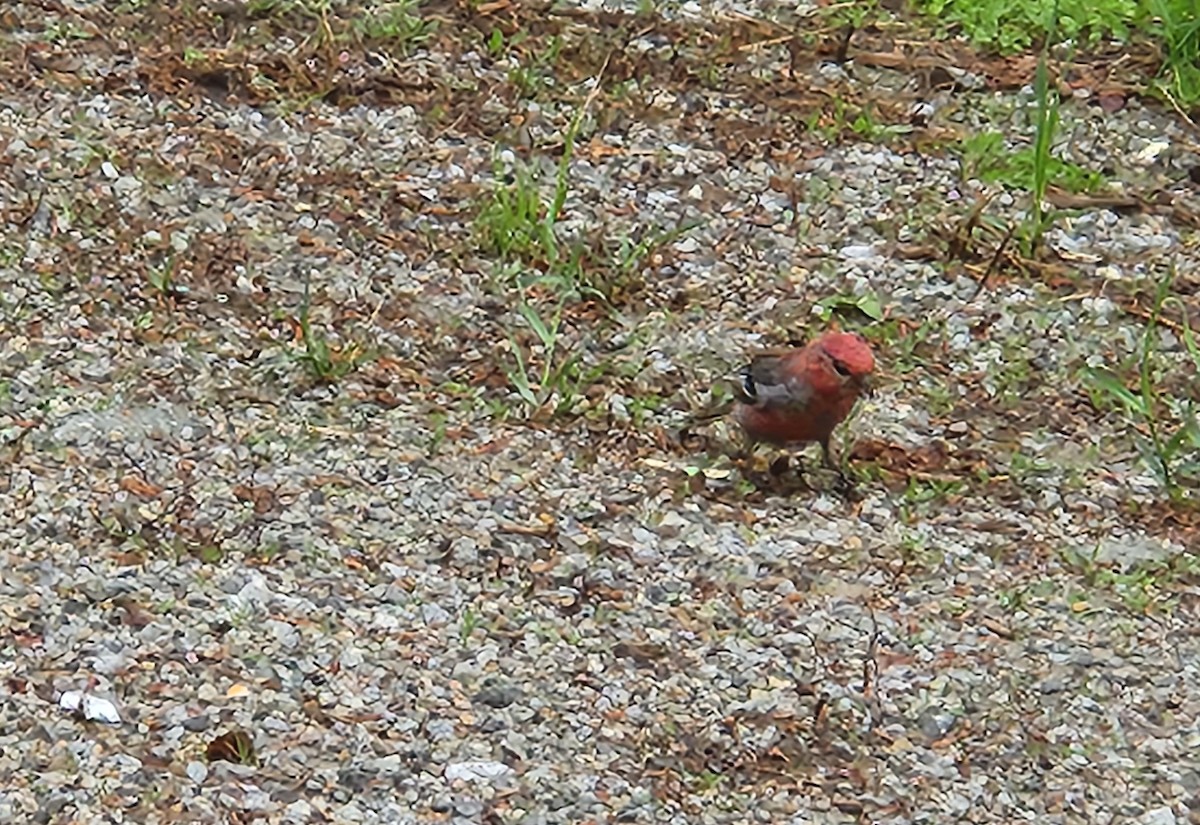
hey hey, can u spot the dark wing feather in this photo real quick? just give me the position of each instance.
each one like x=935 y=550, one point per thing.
x=766 y=383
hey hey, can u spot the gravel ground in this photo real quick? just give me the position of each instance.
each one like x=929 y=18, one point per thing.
x=401 y=595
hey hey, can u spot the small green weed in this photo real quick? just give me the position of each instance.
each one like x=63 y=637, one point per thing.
x=1023 y=467
x=1033 y=169
x=1166 y=426
x=708 y=781
x=10 y=254
x=515 y=224
x=162 y=277
x=916 y=554
x=324 y=362
x=867 y=304
x=467 y=625
x=400 y=25
x=519 y=227
x=497 y=46
x=985 y=157
x=62 y=31
x=550 y=373
x=642 y=407
x=193 y=56
x=868 y=128
x=905 y=343
x=266 y=8
x=1141 y=587
x=921 y=494
x=928 y=490
x=439 y=421
x=1021 y=596
x=209 y=553
x=532 y=78
x=619 y=267
x=852 y=14
x=842 y=118
x=237 y=747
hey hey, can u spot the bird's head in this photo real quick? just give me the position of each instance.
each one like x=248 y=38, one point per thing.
x=849 y=357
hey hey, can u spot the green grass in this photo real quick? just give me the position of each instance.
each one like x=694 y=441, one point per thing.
x=61 y=32
x=1177 y=25
x=1165 y=426
x=1035 y=168
x=209 y=553
x=397 y=28
x=515 y=223
x=708 y=781
x=1046 y=124
x=161 y=278
x=1015 y=25
x=1010 y=26
x=237 y=747
x=535 y=77
x=541 y=273
x=854 y=15
x=915 y=554
x=520 y=227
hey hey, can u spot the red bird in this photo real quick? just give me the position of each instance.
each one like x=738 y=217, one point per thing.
x=797 y=396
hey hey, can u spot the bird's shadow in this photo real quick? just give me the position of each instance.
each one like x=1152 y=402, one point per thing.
x=785 y=475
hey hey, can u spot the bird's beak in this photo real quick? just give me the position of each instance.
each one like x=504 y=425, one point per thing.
x=867 y=385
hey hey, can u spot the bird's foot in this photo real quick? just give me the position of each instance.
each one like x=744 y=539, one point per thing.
x=779 y=466
x=844 y=483
x=784 y=476
x=846 y=488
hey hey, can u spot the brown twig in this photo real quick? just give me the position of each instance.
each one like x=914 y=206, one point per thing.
x=994 y=263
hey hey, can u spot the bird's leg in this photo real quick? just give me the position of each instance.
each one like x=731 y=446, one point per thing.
x=743 y=452
x=780 y=465
x=844 y=484
x=778 y=472
x=828 y=455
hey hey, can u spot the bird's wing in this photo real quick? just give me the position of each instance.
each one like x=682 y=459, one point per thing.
x=775 y=381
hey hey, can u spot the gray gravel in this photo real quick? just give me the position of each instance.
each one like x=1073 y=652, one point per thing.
x=423 y=607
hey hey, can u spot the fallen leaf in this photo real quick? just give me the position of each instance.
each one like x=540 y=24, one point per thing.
x=236 y=747
x=134 y=615
x=263 y=498
x=1001 y=630
x=139 y=487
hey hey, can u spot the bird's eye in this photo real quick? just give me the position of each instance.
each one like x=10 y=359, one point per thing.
x=841 y=368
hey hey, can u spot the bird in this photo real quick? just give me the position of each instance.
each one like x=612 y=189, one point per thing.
x=799 y=395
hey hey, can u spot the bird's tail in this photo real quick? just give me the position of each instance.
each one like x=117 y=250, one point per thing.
x=709 y=414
